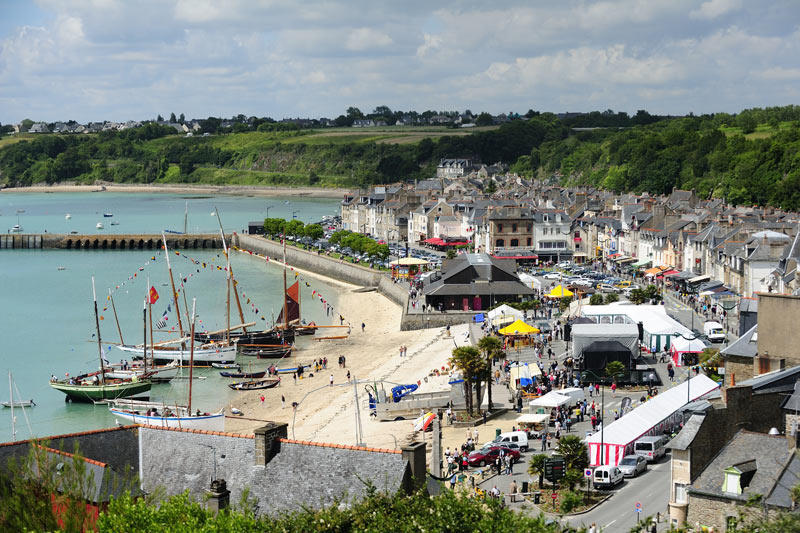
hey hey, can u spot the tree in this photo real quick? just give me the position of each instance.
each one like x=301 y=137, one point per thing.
x=570 y=500
x=484 y=119
x=596 y=299
x=314 y=231
x=172 y=118
x=563 y=303
x=574 y=451
x=612 y=297
x=274 y=226
x=451 y=254
x=182 y=119
x=294 y=227
x=468 y=360
x=490 y=346
x=536 y=466
x=159 y=118
x=354 y=113
x=614 y=369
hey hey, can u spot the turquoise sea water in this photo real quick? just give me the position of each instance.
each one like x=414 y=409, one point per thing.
x=148 y=213
x=47 y=317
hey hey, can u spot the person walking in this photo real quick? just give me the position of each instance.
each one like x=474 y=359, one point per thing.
x=363 y=326
x=331 y=380
x=512 y=490
x=283 y=402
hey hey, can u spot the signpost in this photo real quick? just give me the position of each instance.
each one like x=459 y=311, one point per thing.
x=555 y=499
x=638 y=510
x=554 y=468
x=587 y=473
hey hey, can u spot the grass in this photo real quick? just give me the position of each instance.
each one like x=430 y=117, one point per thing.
x=7 y=140
x=230 y=176
x=763 y=131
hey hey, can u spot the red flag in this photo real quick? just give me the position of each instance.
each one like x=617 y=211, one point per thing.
x=153 y=296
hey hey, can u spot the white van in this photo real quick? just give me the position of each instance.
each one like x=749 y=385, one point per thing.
x=714 y=332
x=607 y=477
x=651 y=448
x=520 y=438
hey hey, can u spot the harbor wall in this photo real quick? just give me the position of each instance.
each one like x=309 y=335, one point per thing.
x=57 y=241
x=356 y=275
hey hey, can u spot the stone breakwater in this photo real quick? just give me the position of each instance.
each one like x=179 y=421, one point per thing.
x=110 y=241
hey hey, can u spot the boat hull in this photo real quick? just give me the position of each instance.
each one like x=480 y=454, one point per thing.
x=202 y=357
x=255 y=385
x=99 y=392
x=208 y=422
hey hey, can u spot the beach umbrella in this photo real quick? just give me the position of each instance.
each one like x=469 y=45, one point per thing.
x=422 y=423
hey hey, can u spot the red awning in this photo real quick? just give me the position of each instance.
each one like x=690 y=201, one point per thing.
x=434 y=240
x=459 y=243
x=615 y=254
x=670 y=273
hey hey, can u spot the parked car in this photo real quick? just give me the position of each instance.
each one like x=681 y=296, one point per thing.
x=606 y=477
x=605 y=287
x=632 y=465
x=486 y=456
x=552 y=275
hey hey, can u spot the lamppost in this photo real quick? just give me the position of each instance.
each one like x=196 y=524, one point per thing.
x=602 y=413
x=294 y=214
x=268 y=208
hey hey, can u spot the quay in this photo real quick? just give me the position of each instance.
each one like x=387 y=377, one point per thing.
x=56 y=241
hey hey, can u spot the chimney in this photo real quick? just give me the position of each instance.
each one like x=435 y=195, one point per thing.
x=415 y=454
x=219 y=497
x=738 y=401
x=267 y=445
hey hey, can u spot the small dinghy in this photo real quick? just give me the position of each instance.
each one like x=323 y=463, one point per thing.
x=255 y=385
x=19 y=403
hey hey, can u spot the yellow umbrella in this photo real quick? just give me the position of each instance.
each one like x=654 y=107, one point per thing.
x=518 y=328
x=559 y=291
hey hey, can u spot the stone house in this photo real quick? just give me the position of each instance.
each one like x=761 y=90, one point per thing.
x=510 y=228
x=279 y=474
x=551 y=235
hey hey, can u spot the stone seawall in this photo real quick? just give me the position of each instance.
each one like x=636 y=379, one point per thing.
x=108 y=241
x=356 y=275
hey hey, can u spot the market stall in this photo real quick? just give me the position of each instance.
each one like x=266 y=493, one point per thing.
x=686 y=351
x=408 y=267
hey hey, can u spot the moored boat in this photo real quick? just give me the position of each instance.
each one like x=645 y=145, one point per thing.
x=205 y=356
x=266 y=351
x=164 y=415
x=243 y=375
x=19 y=403
x=267 y=383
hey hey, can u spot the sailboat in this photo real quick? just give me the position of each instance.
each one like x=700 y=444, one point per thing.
x=170 y=416
x=274 y=340
x=164 y=352
x=12 y=403
x=16 y=228
x=96 y=386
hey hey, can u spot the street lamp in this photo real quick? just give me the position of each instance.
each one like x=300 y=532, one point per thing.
x=268 y=208
x=602 y=413
x=294 y=214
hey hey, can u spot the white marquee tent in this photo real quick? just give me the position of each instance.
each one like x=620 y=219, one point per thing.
x=651 y=418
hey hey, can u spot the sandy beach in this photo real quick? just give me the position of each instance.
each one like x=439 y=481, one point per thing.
x=327 y=414
x=234 y=190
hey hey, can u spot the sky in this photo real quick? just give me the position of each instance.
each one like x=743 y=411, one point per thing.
x=90 y=60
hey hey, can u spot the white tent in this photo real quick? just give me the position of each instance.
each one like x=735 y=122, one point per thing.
x=681 y=346
x=529 y=418
x=585 y=334
x=651 y=418
x=504 y=314
x=550 y=400
x=530 y=281
x=659 y=328
x=522 y=372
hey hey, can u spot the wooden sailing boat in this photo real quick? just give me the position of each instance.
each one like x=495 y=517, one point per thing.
x=97 y=386
x=170 y=416
x=163 y=353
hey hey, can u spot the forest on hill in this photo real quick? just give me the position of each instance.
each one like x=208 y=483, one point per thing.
x=748 y=158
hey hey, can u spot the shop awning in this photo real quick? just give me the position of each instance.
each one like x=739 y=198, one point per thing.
x=642 y=263
x=624 y=260
x=406 y=261
x=559 y=291
x=698 y=279
x=614 y=255
x=518 y=328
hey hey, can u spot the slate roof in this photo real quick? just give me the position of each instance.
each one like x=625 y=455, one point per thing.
x=684 y=438
x=770 y=453
x=301 y=474
x=792 y=402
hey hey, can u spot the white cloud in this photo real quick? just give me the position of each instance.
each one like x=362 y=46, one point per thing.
x=367 y=38
x=715 y=8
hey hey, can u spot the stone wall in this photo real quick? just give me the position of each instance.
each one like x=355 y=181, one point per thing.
x=412 y=321
x=739 y=369
x=777 y=316
x=713 y=512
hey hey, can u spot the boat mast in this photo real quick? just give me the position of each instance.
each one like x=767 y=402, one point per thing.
x=186 y=219
x=235 y=290
x=144 y=325
x=152 y=343
x=116 y=319
x=99 y=341
x=13 y=421
x=228 y=306
x=191 y=357
x=174 y=292
x=285 y=312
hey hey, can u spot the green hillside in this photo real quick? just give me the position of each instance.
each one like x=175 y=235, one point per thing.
x=748 y=158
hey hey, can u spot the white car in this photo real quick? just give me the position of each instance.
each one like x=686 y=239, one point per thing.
x=552 y=275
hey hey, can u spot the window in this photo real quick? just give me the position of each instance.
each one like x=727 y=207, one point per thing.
x=500 y=243
x=499 y=228
x=529 y=241
x=514 y=242
x=763 y=365
x=680 y=493
x=529 y=227
x=513 y=228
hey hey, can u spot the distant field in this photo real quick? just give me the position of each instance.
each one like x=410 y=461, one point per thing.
x=11 y=139
x=763 y=131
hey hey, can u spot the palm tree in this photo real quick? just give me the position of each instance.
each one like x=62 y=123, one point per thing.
x=536 y=466
x=490 y=345
x=614 y=369
x=469 y=361
x=574 y=451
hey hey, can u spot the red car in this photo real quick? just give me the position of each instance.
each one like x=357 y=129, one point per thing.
x=486 y=456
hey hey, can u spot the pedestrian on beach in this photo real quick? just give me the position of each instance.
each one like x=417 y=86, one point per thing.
x=363 y=326
x=294 y=376
x=331 y=380
x=283 y=402
x=348 y=376
x=262 y=399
